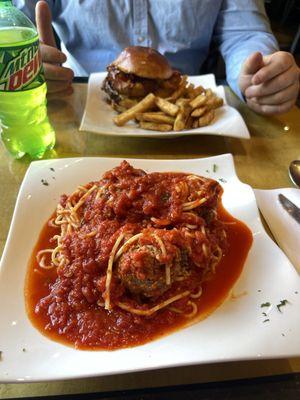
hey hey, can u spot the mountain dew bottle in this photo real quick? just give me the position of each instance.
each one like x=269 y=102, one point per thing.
x=24 y=124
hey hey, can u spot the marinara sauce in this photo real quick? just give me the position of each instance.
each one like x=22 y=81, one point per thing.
x=65 y=308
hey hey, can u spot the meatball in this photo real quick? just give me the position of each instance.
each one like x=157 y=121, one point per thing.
x=141 y=272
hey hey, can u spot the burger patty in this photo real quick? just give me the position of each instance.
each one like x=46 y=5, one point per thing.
x=118 y=84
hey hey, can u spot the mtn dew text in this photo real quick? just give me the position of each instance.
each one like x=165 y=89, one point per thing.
x=22 y=69
x=24 y=124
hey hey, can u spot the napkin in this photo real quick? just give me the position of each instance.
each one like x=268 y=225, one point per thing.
x=98 y=115
x=286 y=229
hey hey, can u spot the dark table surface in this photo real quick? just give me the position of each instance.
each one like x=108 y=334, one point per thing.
x=281 y=387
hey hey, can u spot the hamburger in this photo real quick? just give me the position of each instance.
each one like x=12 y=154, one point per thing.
x=137 y=72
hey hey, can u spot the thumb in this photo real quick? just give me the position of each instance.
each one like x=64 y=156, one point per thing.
x=43 y=19
x=253 y=63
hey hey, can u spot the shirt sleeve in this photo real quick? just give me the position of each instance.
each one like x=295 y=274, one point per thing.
x=242 y=28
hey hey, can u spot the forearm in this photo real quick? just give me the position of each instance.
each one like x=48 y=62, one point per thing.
x=240 y=31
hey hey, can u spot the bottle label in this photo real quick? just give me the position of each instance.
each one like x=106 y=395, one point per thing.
x=20 y=68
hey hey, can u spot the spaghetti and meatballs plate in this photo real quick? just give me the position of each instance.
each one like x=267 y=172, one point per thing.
x=139 y=296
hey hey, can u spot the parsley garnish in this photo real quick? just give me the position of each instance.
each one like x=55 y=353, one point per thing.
x=23 y=350
x=0 y=355
x=222 y=180
x=207 y=170
x=266 y=320
x=52 y=169
x=267 y=304
x=44 y=182
x=215 y=167
x=264 y=314
x=281 y=304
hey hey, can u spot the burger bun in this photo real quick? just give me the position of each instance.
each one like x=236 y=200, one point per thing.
x=143 y=62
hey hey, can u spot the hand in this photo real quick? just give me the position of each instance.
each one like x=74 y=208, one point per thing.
x=270 y=83
x=58 y=78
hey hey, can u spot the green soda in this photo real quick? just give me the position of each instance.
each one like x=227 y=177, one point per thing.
x=24 y=124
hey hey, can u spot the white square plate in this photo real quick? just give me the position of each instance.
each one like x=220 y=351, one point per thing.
x=235 y=331
x=98 y=115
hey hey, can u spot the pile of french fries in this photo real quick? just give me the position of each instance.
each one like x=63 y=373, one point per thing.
x=187 y=108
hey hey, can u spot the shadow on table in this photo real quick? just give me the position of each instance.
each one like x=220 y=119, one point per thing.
x=150 y=379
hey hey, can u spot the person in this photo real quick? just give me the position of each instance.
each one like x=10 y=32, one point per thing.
x=93 y=33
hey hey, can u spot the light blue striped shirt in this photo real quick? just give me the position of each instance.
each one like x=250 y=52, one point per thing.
x=93 y=32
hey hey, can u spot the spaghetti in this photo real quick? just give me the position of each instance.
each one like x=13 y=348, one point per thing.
x=129 y=254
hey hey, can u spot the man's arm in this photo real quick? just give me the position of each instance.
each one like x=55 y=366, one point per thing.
x=249 y=50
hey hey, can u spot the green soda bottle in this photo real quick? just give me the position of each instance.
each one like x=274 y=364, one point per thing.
x=24 y=124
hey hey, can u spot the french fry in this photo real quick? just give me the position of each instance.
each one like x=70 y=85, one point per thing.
x=195 y=123
x=188 y=107
x=155 y=117
x=181 y=101
x=155 y=127
x=144 y=105
x=206 y=119
x=179 y=123
x=189 y=122
x=166 y=106
x=214 y=102
x=208 y=92
x=117 y=107
x=190 y=87
x=198 y=101
x=127 y=103
x=182 y=116
x=139 y=116
x=195 y=92
x=179 y=91
x=219 y=102
x=198 y=112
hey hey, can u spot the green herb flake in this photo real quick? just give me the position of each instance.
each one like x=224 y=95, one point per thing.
x=267 y=304
x=23 y=350
x=259 y=290
x=296 y=292
x=207 y=170
x=266 y=320
x=222 y=180
x=44 y=182
x=52 y=169
x=264 y=314
x=282 y=334
x=1 y=355
x=215 y=167
x=281 y=304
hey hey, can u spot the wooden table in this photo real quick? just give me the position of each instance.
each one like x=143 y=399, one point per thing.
x=261 y=162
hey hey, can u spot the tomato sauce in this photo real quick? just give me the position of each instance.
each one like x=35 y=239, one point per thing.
x=100 y=330
x=99 y=294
